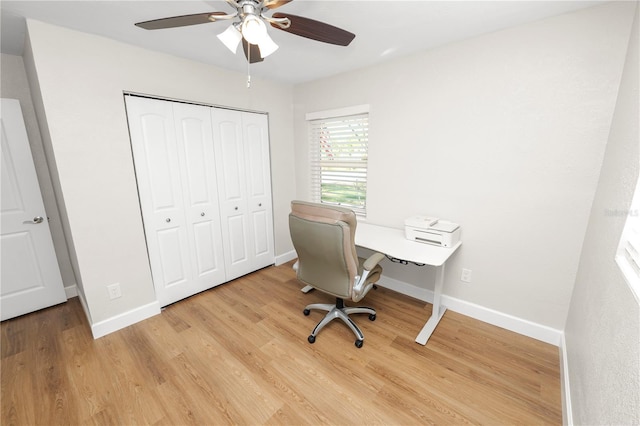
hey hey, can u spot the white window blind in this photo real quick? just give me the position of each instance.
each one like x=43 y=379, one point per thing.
x=628 y=255
x=338 y=160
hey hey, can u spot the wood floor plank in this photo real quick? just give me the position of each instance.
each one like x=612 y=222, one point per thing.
x=312 y=380
x=238 y=354
x=14 y=338
x=83 y=396
x=243 y=385
x=55 y=379
x=133 y=399
x=428 y=390
x=17 y=381
x=286 y=416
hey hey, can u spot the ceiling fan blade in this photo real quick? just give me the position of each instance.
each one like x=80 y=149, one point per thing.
x=272 y=4
x=255 y=52
x=315 y=30
x=179 y=21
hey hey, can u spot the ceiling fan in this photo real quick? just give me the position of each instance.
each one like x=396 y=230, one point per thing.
x=250 y=26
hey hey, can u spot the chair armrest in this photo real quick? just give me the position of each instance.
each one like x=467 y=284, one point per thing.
x=372 y=261
x=362 y=285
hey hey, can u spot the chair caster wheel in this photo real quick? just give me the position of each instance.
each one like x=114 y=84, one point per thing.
x=359 y=343
x=311 y=338
x=306 y=312
x=372 y=317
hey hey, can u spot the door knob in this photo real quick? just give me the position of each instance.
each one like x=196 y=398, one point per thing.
x=168 y=220
x=37 y=219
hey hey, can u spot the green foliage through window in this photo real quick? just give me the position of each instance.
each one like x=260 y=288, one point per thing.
x=339 y=161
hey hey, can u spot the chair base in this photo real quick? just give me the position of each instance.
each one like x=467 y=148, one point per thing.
x=342 y=312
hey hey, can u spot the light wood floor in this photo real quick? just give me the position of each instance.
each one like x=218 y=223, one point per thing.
x=238 y=354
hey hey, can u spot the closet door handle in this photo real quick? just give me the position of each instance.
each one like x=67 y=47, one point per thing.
x=202 y=214
x=235 y=208
x=37 y=219
x=259 y=204
x=168 y=220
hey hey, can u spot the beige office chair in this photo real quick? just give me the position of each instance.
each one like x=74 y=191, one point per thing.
x=323 y=236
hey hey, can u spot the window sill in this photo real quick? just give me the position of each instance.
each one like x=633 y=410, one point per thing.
x=633 y=281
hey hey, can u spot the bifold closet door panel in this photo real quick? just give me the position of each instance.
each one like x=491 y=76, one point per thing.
x=200 y=194
x=258 y=177
x=157 y=165
x=230 y=168
x=204 y=183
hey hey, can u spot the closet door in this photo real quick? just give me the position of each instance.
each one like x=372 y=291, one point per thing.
x=155 y=154
x=243 y=167
x=258 y=174
x=174 y=172
x=200 y=194
x=229 y=149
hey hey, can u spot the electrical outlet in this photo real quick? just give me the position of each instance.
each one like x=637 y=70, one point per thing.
x=466 y=275
x=114 y=291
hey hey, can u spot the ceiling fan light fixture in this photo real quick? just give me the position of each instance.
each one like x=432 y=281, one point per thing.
x=267 y=46
x=250 y=24
x=231 y=38
x=253 y=29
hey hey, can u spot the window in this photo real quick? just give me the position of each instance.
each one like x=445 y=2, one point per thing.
x=338 y=157
x=628 y=255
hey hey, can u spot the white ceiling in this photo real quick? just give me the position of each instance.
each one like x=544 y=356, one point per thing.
x=384 y=29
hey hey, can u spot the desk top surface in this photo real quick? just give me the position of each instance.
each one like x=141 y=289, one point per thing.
x=392 y=241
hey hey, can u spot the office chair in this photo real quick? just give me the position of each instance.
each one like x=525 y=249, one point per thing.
x=323 y=236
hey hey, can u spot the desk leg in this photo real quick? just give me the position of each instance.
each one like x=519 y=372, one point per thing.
x=438 y=310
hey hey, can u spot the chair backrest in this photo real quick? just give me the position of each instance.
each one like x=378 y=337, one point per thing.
x=323 y=236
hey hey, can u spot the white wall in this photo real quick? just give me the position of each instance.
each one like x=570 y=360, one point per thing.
x=602 y=332
x=502 y=133
x=14 y=85
x=78 y=80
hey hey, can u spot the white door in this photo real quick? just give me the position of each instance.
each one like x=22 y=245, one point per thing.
x=243 y=166
x=258 y=174
x=229 y=149
x=173 y=155
x=30 y=277
x=155 y=154
x=200 y=193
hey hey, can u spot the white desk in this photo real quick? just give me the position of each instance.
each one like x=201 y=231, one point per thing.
x=392 y=242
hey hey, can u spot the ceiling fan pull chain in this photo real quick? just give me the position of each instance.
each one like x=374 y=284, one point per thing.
x=248 y=64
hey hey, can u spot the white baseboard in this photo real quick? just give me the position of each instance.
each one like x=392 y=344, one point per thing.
x=567 y=412
x=83 y=303
x=490 y=316
x=405 y=288
x=102 y=328
x=71 y=291
x=286 y=257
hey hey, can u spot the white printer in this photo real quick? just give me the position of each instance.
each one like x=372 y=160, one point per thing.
x=431 y=230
